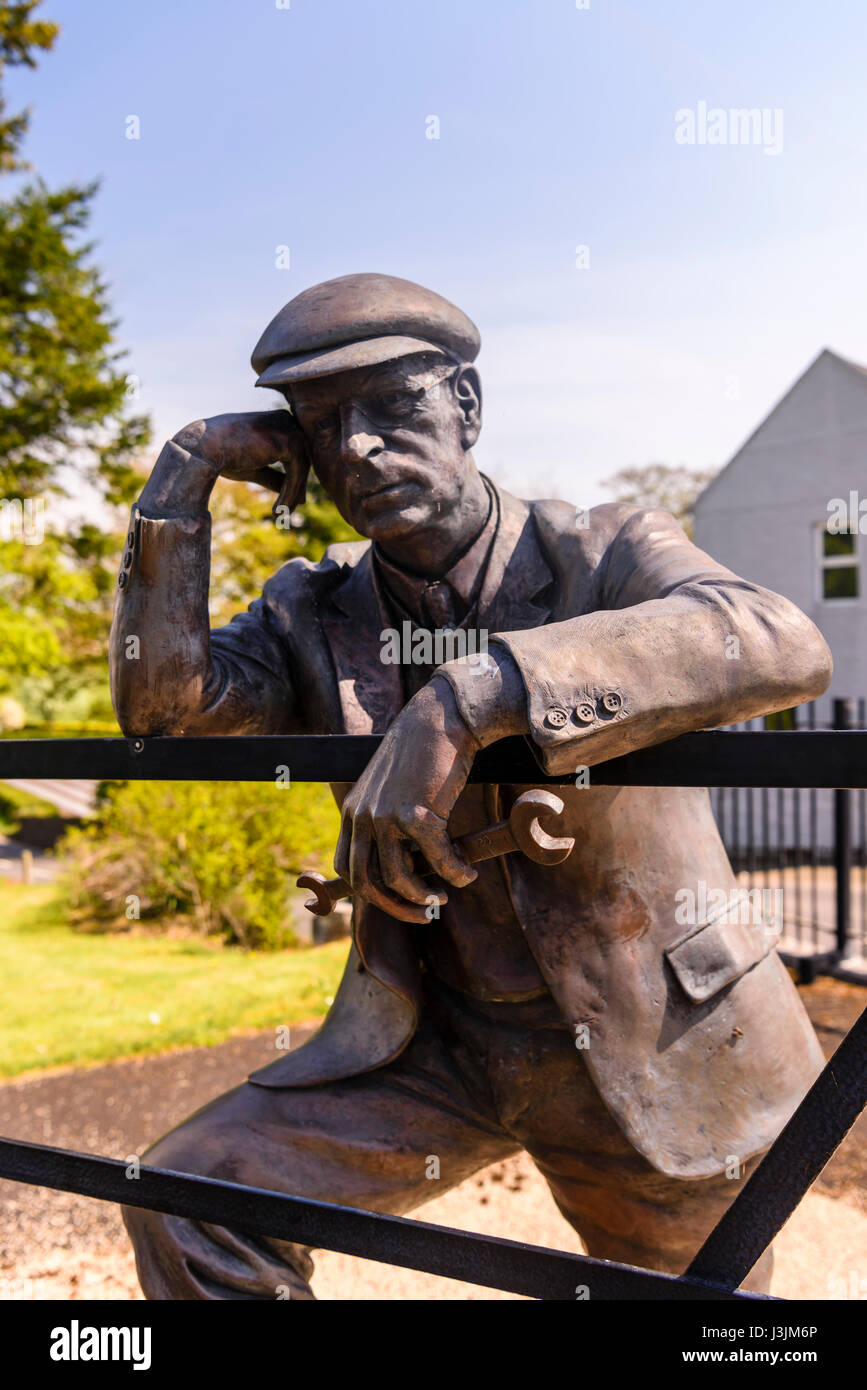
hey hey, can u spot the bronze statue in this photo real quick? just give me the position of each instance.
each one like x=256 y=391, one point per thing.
x=563 y=1009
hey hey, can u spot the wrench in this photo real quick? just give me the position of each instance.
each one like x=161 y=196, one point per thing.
x=521 y=831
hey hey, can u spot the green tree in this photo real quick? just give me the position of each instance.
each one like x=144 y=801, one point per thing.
x=67 y=437
x=55 y=610
x=64 y=396
x=19 y=36
x=69 y=442
x=673 y=489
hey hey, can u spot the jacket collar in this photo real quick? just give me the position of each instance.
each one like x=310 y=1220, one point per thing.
x=512 y=598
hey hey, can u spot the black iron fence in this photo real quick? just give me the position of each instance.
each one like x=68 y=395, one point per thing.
x=805 y=849
x=813 y=759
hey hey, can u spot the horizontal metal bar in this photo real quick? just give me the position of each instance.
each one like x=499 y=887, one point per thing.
x=795 y=1159
x=711 y=758
x=485 y=1260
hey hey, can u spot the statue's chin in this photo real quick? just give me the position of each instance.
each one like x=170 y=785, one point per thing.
x=400 y=522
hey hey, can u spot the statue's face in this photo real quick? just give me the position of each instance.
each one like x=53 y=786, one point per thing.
x=390 y=443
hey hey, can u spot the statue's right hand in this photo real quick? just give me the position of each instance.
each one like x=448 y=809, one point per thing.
x=244 y=444
x=246 y=447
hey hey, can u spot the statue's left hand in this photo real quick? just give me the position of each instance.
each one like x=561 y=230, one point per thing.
x=403 y=801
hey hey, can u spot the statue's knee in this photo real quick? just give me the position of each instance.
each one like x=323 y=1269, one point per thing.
x=181 y=1259
x=140 y=1226
x=158 y=1257
x=178 y=1152
x=163 y=1243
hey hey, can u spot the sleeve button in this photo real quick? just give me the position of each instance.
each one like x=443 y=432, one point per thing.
x=556 y=718
x=121 y=579
x=585 y=713
x=612 y=702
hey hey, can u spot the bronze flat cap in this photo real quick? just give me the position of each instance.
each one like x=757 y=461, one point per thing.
x=359 y=321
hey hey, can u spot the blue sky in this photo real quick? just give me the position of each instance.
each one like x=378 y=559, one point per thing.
x=716 y=272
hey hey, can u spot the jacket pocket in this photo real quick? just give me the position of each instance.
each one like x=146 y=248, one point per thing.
x=715 y=954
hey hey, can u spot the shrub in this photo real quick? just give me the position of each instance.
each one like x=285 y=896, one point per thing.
x=220 y=856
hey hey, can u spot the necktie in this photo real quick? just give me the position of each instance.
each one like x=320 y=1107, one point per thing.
x=439 y=605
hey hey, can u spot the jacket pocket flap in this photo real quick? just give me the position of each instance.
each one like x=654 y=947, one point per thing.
x=715 y=954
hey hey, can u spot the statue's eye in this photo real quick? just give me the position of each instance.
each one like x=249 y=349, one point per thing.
x=396 y=402
x=326 y=430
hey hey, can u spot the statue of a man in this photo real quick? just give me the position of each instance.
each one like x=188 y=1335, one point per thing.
x=565 y=1010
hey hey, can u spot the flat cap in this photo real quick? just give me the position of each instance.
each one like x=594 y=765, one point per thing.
x=359 y=321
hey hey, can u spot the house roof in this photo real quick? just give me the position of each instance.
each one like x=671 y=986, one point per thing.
x=825 y=353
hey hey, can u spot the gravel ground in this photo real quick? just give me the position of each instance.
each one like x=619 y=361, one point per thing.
x=60 y=1246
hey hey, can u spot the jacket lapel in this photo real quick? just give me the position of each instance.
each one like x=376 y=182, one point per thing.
x=377 y=1007
x=515 y=595
x=370 y=689
x=517 y=588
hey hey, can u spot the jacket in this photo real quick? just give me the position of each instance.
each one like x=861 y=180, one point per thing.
x=622 y=632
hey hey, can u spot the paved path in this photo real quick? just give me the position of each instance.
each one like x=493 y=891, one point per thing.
x=44 y=867
x=72 y=798
x=56 y=1245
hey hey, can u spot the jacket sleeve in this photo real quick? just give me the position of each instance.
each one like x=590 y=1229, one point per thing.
x=169 y=673
x=676 y=642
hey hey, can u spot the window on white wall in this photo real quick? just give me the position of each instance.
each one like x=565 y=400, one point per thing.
x=837 y=553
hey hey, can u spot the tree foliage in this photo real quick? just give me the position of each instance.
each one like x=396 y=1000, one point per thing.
x=67 y=439
x=221 y=858
x=63 y=393
x=674 y=489
x=55 y=611
x=247 y=546
x=69 y=436
x=64 y=396
x=20 y=34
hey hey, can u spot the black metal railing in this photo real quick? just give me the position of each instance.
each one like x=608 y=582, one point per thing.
x=817 y=759
x=806 y=846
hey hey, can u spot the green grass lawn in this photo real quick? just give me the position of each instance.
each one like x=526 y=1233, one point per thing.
x=70 y=999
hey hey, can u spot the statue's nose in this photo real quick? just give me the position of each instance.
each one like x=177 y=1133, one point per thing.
x=358 y=443
x=361 y=446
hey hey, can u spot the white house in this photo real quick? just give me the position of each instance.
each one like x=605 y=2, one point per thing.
x=785 y=511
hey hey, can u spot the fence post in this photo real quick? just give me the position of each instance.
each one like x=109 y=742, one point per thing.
x=844 y=718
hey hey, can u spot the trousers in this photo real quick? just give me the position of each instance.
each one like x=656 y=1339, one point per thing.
x=477 y=1084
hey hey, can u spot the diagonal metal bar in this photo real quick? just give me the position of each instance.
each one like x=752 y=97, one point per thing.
x=489 y=1261
x=795 y=1159
x=712 y=758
